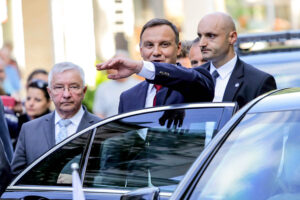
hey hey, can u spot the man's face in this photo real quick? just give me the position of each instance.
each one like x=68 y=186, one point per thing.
x=67 y=92
x=158 y=44
x=195 y=56
x=215 y=39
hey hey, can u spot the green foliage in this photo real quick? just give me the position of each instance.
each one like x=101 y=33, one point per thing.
x=88 y=100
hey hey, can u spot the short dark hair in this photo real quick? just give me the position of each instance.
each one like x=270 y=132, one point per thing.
x=185 y=49
x=37 y=71
x=196 y=41
x=158 y=22
x=40 y=84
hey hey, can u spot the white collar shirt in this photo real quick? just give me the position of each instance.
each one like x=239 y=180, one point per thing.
x=72 y=127
x=151 y=92
x=224 y=75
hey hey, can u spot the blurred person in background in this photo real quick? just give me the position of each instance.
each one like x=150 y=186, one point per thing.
x=183 y=57
x=37 y=104
x=195 y=54
x=37 y=74
x=12 y=77
x=108 y=93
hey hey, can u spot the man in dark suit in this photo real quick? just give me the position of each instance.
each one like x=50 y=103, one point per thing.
x=234 y=79
x=4 y=134
x=5 y=172
x=159 y=42
x=67 y=89
x=6 y=152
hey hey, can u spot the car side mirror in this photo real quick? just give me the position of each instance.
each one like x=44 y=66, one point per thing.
x=149 y=193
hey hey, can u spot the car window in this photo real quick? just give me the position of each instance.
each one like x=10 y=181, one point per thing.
x=283 y=66
x=259 y=160
x=56 y=168
x=153 y=149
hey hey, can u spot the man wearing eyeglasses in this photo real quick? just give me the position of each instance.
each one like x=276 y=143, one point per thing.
x=66 y=87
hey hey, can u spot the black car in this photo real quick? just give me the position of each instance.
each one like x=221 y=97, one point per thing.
x=277 y=53
x=254 y=156
x=145 y=148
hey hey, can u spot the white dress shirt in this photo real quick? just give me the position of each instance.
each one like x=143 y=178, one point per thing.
x=148 y=72
x=221 y=82
x=73 y=126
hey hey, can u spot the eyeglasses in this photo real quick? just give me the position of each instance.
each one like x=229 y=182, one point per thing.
x=61 y=88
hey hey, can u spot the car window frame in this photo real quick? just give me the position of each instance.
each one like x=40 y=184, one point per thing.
x=93 y=128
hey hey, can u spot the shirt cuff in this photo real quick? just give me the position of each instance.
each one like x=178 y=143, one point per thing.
x=148 y=70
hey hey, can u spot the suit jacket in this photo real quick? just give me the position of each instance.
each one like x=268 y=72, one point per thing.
x=5 y=172
x=4 y=134
x=181 y=85
x=38 y=136
x=246 y=83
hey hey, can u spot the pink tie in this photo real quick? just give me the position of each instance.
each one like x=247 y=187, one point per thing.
x=157 y=87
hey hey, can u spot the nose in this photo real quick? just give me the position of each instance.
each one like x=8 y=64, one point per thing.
x=156 y=51
x=66 y=93
x=202 y=42
x=30 y=103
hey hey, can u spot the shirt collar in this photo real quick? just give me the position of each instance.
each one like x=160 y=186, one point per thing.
x=75 y=119
x=225 y=69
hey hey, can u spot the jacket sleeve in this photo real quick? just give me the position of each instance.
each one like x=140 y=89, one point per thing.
x=19 y=161
x=5 y=171
x=195 y=84
x=120 y=109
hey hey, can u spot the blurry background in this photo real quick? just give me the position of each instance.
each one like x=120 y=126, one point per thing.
x=43 y=32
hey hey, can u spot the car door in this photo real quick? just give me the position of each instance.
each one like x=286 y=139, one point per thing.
x=150 y=147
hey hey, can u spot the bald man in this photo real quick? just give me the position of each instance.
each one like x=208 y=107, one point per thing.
x=235 y=80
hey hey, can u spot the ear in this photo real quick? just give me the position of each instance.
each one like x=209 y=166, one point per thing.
x=232 y=37
x=49 y=92
x=178 y=48
x=84 y=89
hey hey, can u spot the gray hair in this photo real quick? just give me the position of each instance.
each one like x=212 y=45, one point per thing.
x=63 y=66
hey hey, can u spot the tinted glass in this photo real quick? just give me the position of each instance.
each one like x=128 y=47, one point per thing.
x=146 y=150
x=56 y=168
x=284 y=66
x=259 y=160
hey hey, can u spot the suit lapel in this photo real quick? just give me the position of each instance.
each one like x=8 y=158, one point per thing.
x=235 y=81
x=85 y=121
x=49 y=130
x=139 y=97
x=161 y=96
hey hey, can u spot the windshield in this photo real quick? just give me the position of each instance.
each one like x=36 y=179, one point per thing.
x=259 y=160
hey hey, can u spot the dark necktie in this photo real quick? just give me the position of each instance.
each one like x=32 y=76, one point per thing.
x=157 y=87
x=215 y=75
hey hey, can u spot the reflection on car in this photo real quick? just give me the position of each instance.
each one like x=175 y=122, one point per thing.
x=276 y=53
x=147 y=148
x=254 y=156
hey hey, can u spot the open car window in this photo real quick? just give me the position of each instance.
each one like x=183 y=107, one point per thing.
x=149 y=149
x=55 y=169
x=153 y=149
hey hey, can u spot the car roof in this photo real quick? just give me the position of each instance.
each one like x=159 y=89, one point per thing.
x=285 y=99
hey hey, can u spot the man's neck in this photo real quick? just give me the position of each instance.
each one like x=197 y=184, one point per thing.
x=67 y=115
x=222 y=62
